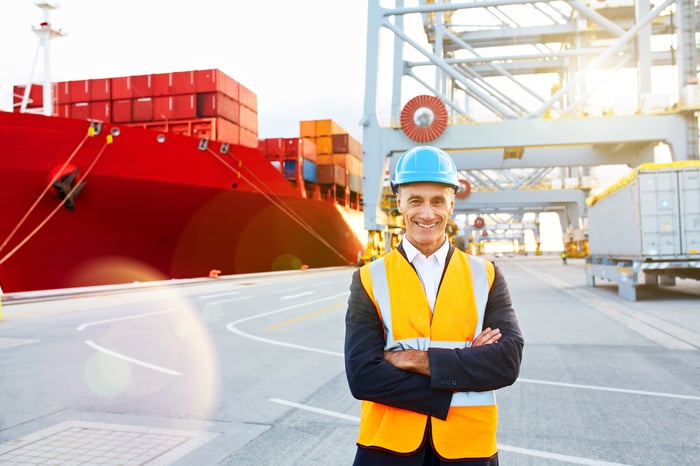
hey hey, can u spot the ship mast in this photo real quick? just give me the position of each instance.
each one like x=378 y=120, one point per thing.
x=46 y=32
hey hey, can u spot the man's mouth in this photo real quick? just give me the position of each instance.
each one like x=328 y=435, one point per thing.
x=427 y=225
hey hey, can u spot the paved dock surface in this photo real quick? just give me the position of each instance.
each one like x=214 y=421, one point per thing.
x=249 y=371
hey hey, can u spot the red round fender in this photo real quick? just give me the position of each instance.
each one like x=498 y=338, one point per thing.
x=465 y=190
x=479 y=222
x=424 y=118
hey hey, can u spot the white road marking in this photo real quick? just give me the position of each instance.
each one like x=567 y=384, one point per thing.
x=231 y=327
x=285 y=290
x=217 y=295
x=117 y=319
x=298 y=295
x=224 y=301
x=610 y=389
x=518 y=450
x=147 y=365
x=557 y=456
x=325 y=412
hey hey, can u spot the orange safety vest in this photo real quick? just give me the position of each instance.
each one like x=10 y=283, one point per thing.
x=469 y=430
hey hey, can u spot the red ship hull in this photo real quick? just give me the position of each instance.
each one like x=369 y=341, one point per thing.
x=154 y=206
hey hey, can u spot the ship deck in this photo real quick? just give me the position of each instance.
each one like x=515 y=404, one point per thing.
x=249 y=370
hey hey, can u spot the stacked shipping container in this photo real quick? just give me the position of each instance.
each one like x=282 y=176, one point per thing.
x=295 y=158
x=201 y=103
x=339 y=154
x=324 y=161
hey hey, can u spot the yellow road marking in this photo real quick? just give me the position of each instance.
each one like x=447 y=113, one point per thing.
x=306 y=316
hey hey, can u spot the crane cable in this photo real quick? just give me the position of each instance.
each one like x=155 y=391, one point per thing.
x=277 y=201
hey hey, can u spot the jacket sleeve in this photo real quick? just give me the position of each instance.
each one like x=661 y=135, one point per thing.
x=486 y=367
x=370 y=376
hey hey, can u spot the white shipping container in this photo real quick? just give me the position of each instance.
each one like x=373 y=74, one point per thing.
x=656 y=214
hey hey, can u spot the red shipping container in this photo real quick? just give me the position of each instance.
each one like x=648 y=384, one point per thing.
x=142 y=85
x=79 y=90
x=247 y=98
x=100 y=89
x=309 y=151
x=248 y=138
x=80 y=110
x=62 y=110
x=162 y=84
x=100 y=110
x=217 y=104
x=121 y=88
x=216 y=81
x=228 y=132
x=61 y=92
x=274 y=148
x=35 y=98
x=142 y=109
x=248 y=119
x=340 y=143
x=185 y=106
x=163 y=108
x=183 y=83
x=300 y=148
x=121 y=111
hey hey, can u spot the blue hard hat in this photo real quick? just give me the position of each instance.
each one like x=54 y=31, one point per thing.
x=425 y=164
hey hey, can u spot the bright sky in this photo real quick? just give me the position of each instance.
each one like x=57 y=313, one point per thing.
x=305 y=59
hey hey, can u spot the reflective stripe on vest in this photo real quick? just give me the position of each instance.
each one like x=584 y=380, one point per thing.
x=395 y=289
x=480 y=281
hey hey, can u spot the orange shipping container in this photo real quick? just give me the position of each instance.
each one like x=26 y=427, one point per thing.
x=328 y=128
x=307 y=129
x=324 y=145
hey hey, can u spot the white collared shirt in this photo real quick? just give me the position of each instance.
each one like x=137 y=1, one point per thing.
x=429 y=268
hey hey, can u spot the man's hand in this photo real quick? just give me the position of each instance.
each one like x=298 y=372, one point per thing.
x=409 y=360
x=487 y=336
x=417 y=361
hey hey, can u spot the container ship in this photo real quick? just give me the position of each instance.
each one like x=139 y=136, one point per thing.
x=161 y=176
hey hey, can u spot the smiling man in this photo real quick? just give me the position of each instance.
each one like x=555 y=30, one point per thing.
x=430 y=334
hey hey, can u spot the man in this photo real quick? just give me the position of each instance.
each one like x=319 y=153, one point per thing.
x=430 y=333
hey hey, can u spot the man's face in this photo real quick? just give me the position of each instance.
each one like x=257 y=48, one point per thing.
x=426 y=207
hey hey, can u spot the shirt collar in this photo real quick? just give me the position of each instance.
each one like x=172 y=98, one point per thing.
x=412 y=251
